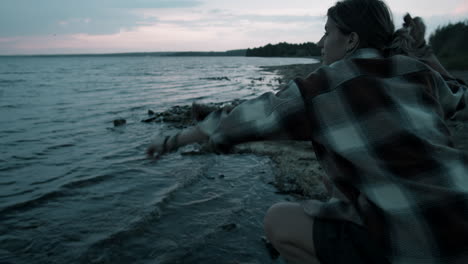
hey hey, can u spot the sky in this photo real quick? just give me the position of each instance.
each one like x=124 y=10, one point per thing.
x=110 y=26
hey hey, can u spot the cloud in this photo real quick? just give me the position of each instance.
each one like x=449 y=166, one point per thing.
x=26 y=17
x=176 y=30
x=244 y=21
x=60 y=26
x=462 y=9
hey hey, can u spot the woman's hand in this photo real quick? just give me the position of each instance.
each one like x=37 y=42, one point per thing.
x=157 y=147
x=162 y=145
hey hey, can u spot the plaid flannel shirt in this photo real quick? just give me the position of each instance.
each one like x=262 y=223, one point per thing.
x=377 y=126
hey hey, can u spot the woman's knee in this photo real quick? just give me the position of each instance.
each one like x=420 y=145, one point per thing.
x=289 y=229
x=278 y=219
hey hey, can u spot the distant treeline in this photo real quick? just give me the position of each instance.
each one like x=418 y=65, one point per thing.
x=240 y=52
x=284 y=49
x=450 y=44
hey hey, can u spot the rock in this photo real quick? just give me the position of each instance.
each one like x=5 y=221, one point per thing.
x=186 y=115
x=200 y=111
x=298 y=172
x=229 y=227
x=223 y=78
x=151 y=119
x=151 y=112
x=119 y=122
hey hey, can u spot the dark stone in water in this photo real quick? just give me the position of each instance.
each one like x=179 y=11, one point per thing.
x=151 y=112
x=120 y=122
x=200 y=111
x=223 y=78
x=229 y=227
x=187 y=115
x=151 y=119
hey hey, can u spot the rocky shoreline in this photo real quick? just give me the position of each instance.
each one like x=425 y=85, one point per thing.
x=298 y=171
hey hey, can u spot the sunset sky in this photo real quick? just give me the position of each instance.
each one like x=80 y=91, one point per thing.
x=108 y=26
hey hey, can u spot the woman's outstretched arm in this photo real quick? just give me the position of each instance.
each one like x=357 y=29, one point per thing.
x=163 y=144
x=267 y=117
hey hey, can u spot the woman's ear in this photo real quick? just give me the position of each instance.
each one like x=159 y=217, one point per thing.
x=353 y=42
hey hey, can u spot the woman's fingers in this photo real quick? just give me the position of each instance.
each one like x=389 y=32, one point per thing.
x=158 y=147
x=151 y=150
x=154 y=147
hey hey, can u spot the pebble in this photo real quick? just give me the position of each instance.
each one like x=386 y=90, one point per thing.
x=119 y=122
x=229 y=227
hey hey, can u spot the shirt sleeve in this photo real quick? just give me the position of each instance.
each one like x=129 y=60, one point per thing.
x=267 y=117
x=453 y=97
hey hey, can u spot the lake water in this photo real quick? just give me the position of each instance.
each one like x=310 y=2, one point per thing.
x=74 y=189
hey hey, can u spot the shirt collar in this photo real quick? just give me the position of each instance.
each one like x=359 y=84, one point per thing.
x=366 y=53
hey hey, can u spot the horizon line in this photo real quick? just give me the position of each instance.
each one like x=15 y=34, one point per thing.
x=111 y=53
x=141 y=52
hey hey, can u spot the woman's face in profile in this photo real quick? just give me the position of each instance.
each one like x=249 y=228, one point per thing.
x=333 y=43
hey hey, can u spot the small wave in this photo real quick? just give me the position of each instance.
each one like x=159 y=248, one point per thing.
x=25 y=158
x=134 y=108
x=13 y=131
x=63 y=70
x=21 y=141
x=47 y=180
x=200 y=201
x=151 y=74
x=33 y=202
x=199 y=98
x=6 y=82
x=8 y=168
x=221 y=78
x=10 y=106
x=17 y=72
x=59 y=146
x=140 y=225
x=65 y=190
x=17 y=193
x=88 y=181
x=7 y=183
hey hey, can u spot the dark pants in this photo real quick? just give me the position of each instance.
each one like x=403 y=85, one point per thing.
x=339 y=242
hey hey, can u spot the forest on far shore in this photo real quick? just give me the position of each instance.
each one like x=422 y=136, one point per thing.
x=283 y=49
x=449 y=42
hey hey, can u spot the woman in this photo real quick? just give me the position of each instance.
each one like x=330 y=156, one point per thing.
x=399 y=189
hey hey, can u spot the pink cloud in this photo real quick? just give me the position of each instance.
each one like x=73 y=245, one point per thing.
x=461 y=9
x=145 y=38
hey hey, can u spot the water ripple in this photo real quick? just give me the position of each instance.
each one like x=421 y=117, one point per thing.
x=18 y=193
x=8 y=183
x=33 y=202
x=88 y=181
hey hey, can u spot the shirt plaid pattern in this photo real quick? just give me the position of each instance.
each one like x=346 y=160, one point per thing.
x=377 y=126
